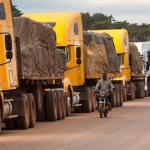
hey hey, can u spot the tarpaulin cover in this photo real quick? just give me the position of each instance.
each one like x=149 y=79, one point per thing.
x=135 y=59
x=40 y=58
x=100 y=54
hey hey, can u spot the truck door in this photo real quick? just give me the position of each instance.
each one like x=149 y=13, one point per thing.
x=75 y=70
x=8 y=72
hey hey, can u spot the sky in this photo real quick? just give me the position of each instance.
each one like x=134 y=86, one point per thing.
x=134 y=11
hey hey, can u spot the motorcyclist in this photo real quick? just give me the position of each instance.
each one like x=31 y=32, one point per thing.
x=105 y=84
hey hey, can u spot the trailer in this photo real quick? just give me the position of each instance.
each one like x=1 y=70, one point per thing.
x=144 y=50
x=131 y=80
x=32 y=70
x=79 y=75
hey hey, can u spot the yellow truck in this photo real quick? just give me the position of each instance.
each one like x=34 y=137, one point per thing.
x=134 y=82
x=69 y=35
x=31 y=72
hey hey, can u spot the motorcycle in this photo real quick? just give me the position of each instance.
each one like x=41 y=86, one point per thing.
x=103 y=104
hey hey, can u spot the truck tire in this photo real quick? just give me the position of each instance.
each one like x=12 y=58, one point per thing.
x=51 y=106
x=131 y=93
x=39 y=101
x=121 y=96
x=146 y=93
x=68 y=105
x=87 y=104
x=124 y=94
x=59 y=110
x=10 y=124
x=23 y=121
x=140 y=92
x=93 y=97
x=63 y=105
x=113 y=102
x=32 y=108
x=117 y=96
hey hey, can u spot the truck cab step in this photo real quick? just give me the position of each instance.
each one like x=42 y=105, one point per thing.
x=11 y=117
x=77 y=105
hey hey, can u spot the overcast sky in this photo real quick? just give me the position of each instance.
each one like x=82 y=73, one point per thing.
x=134 y=11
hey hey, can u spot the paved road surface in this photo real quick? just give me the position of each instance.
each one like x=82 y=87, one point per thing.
x=127 y=128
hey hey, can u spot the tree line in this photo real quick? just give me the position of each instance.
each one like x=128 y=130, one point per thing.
x=137 y=33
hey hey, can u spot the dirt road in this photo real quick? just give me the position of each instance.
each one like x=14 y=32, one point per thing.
x=126 y=128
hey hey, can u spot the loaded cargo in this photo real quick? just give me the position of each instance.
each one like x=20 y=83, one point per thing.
x=136 y=66
x=34 y=90
x=132 y=81
x=100 y=55
x=38 y=56
x=83 y=71
x=144 y=50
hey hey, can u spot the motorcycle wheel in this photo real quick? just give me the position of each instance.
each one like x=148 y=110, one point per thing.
x=105 y=114
x=101 y=113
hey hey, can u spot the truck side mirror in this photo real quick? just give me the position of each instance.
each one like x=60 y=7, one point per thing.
x=8 y=46
x=130 y=60
x=8 y=42
x=78 y=55
x=9 y=55
x=78 y=61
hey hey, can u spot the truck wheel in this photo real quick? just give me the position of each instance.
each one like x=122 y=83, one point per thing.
x=68 y=105
x=32 y=109
x=51 y=106
x=63 y=105
x=10 y=124
x=113 y=99
x=23 y=121
x=124 y=94
x=133 y=91
x=93 y=97
x=87 y=104
x=39 y=101
x=59 y=99
x=131 y=95
x=117 y=95
x=140 y=92
x=120 y=100
x=121 y=96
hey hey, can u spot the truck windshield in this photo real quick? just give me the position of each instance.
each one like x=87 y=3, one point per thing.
x=2 y=12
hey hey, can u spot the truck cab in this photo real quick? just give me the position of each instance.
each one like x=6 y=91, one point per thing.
x=69 y=37
x=8 y=68
x=144 y=50
x=121 y=42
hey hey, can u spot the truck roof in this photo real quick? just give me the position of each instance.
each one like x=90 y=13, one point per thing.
x=120 y=38
x=67 y=25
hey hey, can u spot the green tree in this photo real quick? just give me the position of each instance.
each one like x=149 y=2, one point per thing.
x=102 y=21
x=15 y=11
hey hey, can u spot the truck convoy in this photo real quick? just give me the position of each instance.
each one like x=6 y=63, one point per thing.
x=131 y=78
x=31 y=72
x=37 y=83
x=144 y=50
x=84 y=66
